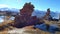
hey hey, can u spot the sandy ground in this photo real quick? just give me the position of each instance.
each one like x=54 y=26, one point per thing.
x=25 y=30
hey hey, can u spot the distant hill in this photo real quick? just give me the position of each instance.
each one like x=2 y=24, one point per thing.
x=37 y=13
x=6 y=10
x=40 y=14
x=9 y=9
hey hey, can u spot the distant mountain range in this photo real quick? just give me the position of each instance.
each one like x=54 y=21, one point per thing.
x=37 y=13
x=40 y=14
x=9 y=9
x=5 y=10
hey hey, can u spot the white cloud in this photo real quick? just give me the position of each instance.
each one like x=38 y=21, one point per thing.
x=4 y=5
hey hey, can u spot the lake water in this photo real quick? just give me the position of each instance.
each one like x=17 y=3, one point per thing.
x=2 y=18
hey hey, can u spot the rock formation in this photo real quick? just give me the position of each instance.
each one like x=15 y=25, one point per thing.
x=47 y=14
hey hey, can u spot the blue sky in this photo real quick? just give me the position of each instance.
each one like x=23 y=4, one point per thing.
x=54 y=5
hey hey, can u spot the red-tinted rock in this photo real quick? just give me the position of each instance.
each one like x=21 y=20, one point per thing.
x=25 y=18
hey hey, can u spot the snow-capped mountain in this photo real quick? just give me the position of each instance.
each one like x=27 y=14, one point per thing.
x=6 y=10
x=37 y=13
x=9 y=9
x=40 y=14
